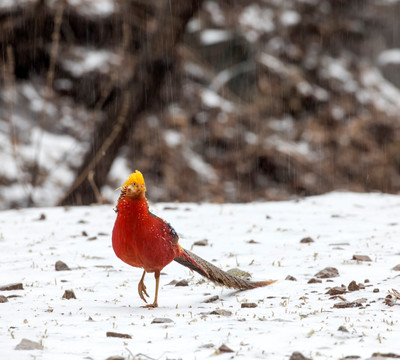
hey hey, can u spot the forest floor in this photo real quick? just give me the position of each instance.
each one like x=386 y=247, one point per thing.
x=357 y=234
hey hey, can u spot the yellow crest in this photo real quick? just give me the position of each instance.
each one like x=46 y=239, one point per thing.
x=135 y=178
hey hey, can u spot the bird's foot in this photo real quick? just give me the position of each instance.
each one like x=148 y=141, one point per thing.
x=150 y=306
x=142 y=291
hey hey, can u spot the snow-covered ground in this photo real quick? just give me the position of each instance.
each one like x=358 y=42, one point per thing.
x=263 y=239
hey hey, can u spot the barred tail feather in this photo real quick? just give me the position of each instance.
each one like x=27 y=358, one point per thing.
x=215 y=274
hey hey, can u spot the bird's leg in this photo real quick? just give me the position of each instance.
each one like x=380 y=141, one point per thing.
x=142 y=288
x=157 y=277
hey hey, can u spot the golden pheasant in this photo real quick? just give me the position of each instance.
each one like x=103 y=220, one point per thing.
x=143 y=240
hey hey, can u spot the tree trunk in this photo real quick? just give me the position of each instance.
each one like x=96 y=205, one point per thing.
x=124 y=105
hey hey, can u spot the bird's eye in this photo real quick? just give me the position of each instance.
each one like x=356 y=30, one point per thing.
x=134 y=184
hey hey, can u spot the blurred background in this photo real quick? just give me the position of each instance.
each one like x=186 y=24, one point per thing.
x=217 y=101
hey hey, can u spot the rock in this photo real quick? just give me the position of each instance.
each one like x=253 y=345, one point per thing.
x=314 y=281
x=396 y=268
x=252 y=242
x=291 y=278
x=328 y=272
x=239 y=272
x=27 y=344
x=9 y=287
x=361 y=258
x=350 y=304
x=298 y=356
x=203 y=242
x=69 y=294
x=337 y=290
x=173 y=282
x=115 y=357
x=376 y=290
x=390 y=300
x=182 y=283
x=221 y=312
x=306 y=240
x=343 y=328
x=162 y=321
x=386 y=355
x=211 y=299
x=118 y=335
x=61 y=266
x=248 y=305
x=353 y=286
x=206 y=346
x=224 y=349
x=42 y=217
x=3 y=299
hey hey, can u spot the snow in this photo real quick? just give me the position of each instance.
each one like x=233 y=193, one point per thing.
x=213 y=100
x=214 y=36
x=290 y=315
x=391 y=56
x=84 y=60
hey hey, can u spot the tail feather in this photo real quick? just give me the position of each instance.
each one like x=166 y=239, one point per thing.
x=215 y=274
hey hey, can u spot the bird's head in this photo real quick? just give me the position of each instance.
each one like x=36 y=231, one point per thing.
x=134 y=187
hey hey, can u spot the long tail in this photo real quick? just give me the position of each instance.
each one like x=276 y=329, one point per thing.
x=216 y=275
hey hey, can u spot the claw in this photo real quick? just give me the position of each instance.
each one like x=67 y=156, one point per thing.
x=142 y=288
x=150 y=306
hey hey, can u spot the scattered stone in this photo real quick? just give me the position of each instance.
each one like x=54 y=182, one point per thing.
x=170 y=207
x=353 y=286
x=361 y=258
x=298 y=356
x=328 y=272
x=314 y=281
x=343 y=328
x=84 y=233
x=3 y=299
x=239 y=272
x=61 y=266
x=337 y=290
x=252 y=242
x=350 y=304
x=350 y=357
x=224 y=349
x=27 y=344
x=69 y=294
x=211 y=299
x=173 y=282
x=390 y=300
x=9 y=287
x=376 y=290
x=388 y=355
x=361 y=286
x=203 y=242
x=115 y=357
x=92 y=238
x=221 y=312
x=42 y=217
x=162 y=321
x=306 y=240
x=396 y=268
x=182 y=283
x=118 y=335
x=207 y=346
x=366 y=281
x=291 y=278
x=249 y=305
